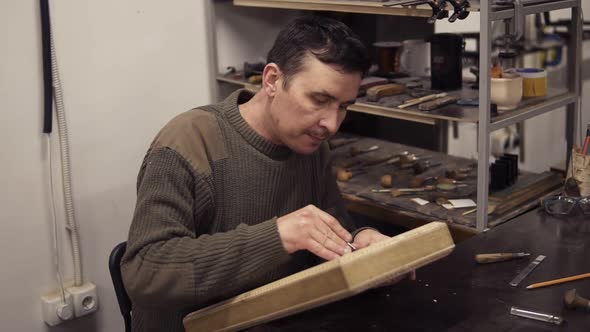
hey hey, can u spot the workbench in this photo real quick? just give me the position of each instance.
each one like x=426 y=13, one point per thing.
x=402 y=211
x=457 y=294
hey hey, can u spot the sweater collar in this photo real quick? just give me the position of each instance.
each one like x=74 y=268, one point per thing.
x=232 y=112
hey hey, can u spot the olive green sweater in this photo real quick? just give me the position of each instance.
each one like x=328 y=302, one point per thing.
x=209 y=192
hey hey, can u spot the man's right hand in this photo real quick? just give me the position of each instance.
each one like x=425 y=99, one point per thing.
x=312 y=229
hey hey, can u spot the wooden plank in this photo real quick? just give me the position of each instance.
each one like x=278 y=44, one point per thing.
x=358 y=7
x=530 y=193
x=327 y=282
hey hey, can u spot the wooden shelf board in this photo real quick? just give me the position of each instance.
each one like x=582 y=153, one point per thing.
x=359 y=7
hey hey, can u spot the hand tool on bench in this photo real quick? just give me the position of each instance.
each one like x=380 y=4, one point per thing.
x=344 y=175
x=411 y=162
x=372 y=161
x=420 y=100
x=420 y=168
x=418 y=181
x=572 y=300
x=499 y=257
x=404 y=157
x=338 y=142
x=442 y=201
x=377 y=92
x=449 y=186
x=442 y=179
x=527 y=270
x=437 y=103
x=355 y=151
x=395 y=192
x=458 y=173
x=386 y=181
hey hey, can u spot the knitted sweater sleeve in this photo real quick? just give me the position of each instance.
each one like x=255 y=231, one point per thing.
x=167 y=263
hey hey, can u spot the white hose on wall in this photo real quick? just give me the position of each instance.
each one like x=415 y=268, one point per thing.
x=65 y=167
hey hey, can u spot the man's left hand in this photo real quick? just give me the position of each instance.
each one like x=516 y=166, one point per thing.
x=367 y=237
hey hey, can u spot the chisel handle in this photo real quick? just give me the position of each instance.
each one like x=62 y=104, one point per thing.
x=492 y=258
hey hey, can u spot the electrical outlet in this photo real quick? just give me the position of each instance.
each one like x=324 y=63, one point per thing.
x=84 y=298
x=55 y=310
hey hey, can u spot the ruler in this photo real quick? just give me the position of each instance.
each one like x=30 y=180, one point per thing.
x=528 y=269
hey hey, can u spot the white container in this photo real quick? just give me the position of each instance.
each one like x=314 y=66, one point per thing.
x=415 y=57
x=506 y=92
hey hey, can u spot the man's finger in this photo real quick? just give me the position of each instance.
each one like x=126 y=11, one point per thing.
x=330 y=241
x=334 y=225
x=319 y=250
x=333 y=236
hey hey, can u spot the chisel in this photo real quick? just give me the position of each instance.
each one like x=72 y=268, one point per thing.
x=499 y=257
x=420 y=100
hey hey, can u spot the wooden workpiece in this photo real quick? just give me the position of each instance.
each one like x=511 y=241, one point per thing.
x=345 y=276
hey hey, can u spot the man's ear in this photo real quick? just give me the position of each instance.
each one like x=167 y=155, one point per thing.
x=271 y=78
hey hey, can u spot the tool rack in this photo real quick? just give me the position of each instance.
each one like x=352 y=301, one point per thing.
x=555 y=99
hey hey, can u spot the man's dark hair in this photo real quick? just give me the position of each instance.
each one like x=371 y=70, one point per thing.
x=330 y=41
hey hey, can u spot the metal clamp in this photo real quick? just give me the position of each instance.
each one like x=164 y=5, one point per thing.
x=438 y=11
x=460 y=10
x=517 y=20
x=438 y=7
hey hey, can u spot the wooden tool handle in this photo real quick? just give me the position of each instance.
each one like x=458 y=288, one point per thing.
x=387 y=181
x=343 y=175
x=492 y=258
x=379 y=91
x=429 y=106
x=376 y=160
x=573 y=301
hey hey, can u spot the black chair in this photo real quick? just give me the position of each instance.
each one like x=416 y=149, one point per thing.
x=122 y=297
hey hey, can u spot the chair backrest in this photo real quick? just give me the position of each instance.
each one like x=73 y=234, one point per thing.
x=122 y=297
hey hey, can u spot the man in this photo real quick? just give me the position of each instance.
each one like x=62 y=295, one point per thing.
x=235 y=195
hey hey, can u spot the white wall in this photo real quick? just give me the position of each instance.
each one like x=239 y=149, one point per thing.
x=246 y=33
x=127 y=67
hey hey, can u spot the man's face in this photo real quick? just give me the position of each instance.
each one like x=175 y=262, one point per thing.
x=312 y=107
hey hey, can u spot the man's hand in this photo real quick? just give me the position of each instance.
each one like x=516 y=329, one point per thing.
x=369 y=236
x=312 y=229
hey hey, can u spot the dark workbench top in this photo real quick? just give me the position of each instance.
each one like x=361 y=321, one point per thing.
x=456 y=294
x=510 y=202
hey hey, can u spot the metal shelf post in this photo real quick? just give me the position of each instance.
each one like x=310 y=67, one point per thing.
x=483 y=137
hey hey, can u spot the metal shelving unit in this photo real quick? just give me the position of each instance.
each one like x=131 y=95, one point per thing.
x=529 y=108
x=570 y=99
